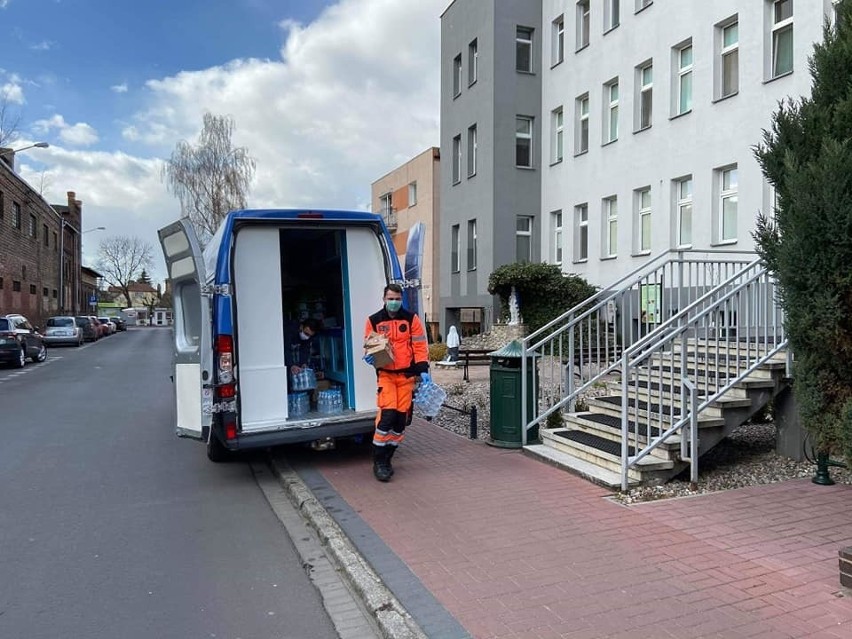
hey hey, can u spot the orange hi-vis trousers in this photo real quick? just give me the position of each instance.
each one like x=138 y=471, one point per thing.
x=395 y=393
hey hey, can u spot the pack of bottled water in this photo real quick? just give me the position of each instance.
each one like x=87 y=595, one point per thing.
x=298 y=404
x=330 y=401
x=304 y=380
x=428 y=399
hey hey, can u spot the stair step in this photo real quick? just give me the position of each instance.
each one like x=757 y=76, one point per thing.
x=588 y=470
x=657 y=389
x=603 y=451
x=744 y=384
x=734 y=398
x=611 y=405
x=609 y=426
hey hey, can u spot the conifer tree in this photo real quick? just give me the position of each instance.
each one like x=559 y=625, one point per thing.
x=807 y=240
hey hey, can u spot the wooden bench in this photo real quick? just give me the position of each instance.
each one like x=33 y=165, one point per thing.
x=473 y=356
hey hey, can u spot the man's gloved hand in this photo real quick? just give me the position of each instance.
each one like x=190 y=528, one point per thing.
x=369 y=359
x=427 y=379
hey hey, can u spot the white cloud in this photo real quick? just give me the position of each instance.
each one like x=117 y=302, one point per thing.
x=355 y=94
x=12 y=90
x=119 y=88
x=44 y=45
x=4 y=3
x=80 y=134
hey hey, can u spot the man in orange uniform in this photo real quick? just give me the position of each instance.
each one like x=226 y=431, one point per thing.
x=404 y=331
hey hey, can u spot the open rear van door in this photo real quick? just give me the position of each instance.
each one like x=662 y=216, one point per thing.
x=193 y=354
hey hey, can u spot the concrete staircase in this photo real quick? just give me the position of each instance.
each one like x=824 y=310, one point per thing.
x=590 y=441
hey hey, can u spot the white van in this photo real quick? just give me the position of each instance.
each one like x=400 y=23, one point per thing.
x=261 y=273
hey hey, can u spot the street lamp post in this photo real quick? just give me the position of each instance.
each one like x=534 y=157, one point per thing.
x=37 y=145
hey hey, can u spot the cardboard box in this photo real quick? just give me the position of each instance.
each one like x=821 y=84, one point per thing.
x=323 y=384
x=378 y=346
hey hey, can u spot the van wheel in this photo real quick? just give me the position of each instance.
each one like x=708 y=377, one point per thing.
x=41 y=355
x=216 y=451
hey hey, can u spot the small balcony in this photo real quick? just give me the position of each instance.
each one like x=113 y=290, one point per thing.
x=389 y=217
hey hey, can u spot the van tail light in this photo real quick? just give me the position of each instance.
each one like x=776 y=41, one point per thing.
x=230 y=430
x=224 y=359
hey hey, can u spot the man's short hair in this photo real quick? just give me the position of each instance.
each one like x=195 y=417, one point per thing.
x=396 y=288
x=311 y=323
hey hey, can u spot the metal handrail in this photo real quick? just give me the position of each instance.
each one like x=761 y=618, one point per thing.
x=581 y=323
x=753 y=286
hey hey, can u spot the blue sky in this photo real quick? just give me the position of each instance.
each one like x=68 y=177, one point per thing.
x=113 y=85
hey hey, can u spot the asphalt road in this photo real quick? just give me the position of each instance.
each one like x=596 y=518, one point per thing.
x=110 y=526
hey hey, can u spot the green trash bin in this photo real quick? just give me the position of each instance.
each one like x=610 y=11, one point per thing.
x=505 y=387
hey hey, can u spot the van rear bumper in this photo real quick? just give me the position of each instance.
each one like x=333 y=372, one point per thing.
x=262 y=439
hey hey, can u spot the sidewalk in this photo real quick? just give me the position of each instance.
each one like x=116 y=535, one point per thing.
x=489 y=543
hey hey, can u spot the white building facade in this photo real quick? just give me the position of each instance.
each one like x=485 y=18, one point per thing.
x=659 y=105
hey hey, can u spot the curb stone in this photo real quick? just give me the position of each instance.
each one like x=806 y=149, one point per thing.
x=393 y=620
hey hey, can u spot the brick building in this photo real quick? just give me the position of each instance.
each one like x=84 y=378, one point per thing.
x=40 y=249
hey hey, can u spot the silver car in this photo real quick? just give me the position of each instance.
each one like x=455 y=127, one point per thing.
x=63 y=329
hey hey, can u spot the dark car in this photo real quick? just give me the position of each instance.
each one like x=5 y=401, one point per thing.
x=120 y=324
x=19 y=340
x=91 y=332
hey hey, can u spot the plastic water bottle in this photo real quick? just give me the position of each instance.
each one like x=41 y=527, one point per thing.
x=429 y=398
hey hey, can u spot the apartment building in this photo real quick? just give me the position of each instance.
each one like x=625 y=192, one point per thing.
x=650 y=110
x=491 y=74
x=40 y=249
x=404 y=197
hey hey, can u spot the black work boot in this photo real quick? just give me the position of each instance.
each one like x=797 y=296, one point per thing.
x=381 y=467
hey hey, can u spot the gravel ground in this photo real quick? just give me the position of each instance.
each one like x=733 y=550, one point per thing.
x=746 y=458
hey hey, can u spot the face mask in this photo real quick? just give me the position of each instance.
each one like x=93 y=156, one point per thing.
x=393 y=305
x=304 y=336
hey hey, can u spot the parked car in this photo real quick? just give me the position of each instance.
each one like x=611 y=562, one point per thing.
x=63 y=329
x=109 y=323
x=103 y=329
x=19 y=340
x=120 y=324
x=91 y=330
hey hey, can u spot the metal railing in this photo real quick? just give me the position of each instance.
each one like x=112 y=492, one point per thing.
x=693 y=359
x=586 y=343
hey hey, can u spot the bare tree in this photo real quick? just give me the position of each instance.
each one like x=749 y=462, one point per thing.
x=121 y=260
x=10 y=119
x=210 y=178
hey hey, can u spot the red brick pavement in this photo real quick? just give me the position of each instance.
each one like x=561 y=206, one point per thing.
x=515 y=548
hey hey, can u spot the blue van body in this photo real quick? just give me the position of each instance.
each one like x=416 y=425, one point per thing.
x=262 y=272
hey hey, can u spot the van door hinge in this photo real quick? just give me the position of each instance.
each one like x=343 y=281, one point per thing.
x=224 y=290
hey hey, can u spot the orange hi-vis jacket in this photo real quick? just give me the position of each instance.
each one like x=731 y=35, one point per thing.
x=407 y=340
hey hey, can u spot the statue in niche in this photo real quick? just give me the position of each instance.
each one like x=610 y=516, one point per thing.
x=514 y=308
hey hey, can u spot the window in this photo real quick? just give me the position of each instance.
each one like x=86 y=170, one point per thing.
x=471 y=245
x=643 y=201
x=31 y=229
x=611 y=115
x=386 y=204
x=455 y=239
x=44 y=292
x=412 y=194
x=612 y=14
x=729 y=60
x=471 y=151
x=55 y=293
x=683 y=96
x=2 y=205
x=556 y=223
x=557 y=54
x=16 y=215
x=32 y=289
x=728 y=204
x=581 y=233
x=1 y=283
x=583 y=19
x=641 y=4
x=523 y=238
x=782 y=37
x=457 y=159
x=523 y=49
x=610 y=207
x=472 y=61
x=55 y=245
x=683 y=193
x=558 y=127
x=645 y=101
x=581 y=143
x=457 y=76
x=16 y=286
x=45 y=235
x=523 y=141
